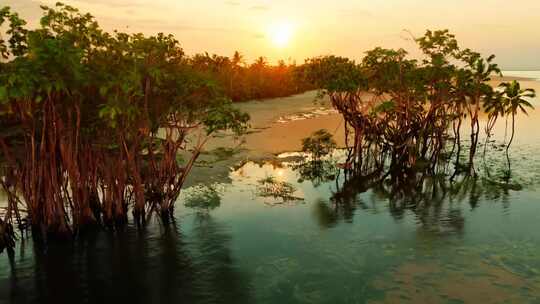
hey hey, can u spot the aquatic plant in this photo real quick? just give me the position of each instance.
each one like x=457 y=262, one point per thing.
x=203 y=198
x=270 y=187
x=316 y=171
x=319 y=144
x=403 y=115
x=83 y=143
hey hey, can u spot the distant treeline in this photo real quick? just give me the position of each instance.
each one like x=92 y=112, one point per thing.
x=258 y=80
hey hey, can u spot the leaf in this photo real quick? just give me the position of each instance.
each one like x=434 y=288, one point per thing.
x=3 y=94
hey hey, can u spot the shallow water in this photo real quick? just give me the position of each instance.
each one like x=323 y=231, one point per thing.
x=324 y=244
x=479 y=246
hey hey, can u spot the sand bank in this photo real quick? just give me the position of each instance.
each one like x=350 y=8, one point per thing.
x=277 y=125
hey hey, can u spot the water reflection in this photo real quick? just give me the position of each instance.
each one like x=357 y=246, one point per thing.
x=360 y=245
x=156 y=266
x=203 y=198
x=317 y=171
x=434 y=200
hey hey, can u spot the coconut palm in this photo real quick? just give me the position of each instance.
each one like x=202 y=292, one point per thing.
x=482 y=69
x=494 y=107
x=235 y=66
x=515 y=100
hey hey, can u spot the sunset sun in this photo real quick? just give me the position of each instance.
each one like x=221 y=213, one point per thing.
x=281 y=33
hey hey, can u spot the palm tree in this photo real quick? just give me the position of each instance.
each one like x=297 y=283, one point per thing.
x=494 y=107
x=236 y=62
x=237 y=58
x=482 y=69
x=515 y=99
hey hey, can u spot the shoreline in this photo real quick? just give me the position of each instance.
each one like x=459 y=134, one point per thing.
x=278 y=126
x=512 y=78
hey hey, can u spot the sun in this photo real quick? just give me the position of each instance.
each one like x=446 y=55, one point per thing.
x=281 y=33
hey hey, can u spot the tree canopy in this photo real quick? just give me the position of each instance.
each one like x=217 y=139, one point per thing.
x=94 y=122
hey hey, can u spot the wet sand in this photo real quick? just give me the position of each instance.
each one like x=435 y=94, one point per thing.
x=277 y=125
x=484 y=283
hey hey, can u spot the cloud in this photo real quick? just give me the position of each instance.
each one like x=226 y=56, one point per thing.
x=355 y=13
x=208 y=29
x=115 y=3
x=178 y=27
x=232 y=3
x=255 y=7
x=259 y=7
x=108 y=3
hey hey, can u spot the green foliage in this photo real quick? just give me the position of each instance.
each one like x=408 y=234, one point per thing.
x=225 y=117
x=16 y=33
x=203 y=198
x=515 y=98
x=71 y=55
x=319 y=144
x=109 y=113
x=438 y=45
x=113 y=110
x=388 y=71
x=270 y=187
x=384 y=107
x=404 y=108
x=334 y=74
x=259 y=80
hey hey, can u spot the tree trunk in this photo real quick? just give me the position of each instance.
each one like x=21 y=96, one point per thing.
x=510 y=143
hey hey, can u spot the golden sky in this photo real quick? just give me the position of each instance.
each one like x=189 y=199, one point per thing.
x=296 y=29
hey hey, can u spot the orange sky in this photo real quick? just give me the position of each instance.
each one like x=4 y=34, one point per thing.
x=509 y=29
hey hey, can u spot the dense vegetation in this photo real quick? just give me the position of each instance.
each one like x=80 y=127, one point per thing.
x=405 y=117
x=259 y=80
x=94 y=124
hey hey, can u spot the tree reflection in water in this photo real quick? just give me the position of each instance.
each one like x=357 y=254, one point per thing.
x=155 y=265
x=434 y=199
x=317 y=171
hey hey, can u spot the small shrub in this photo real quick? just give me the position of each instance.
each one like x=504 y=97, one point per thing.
x=319 y=144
